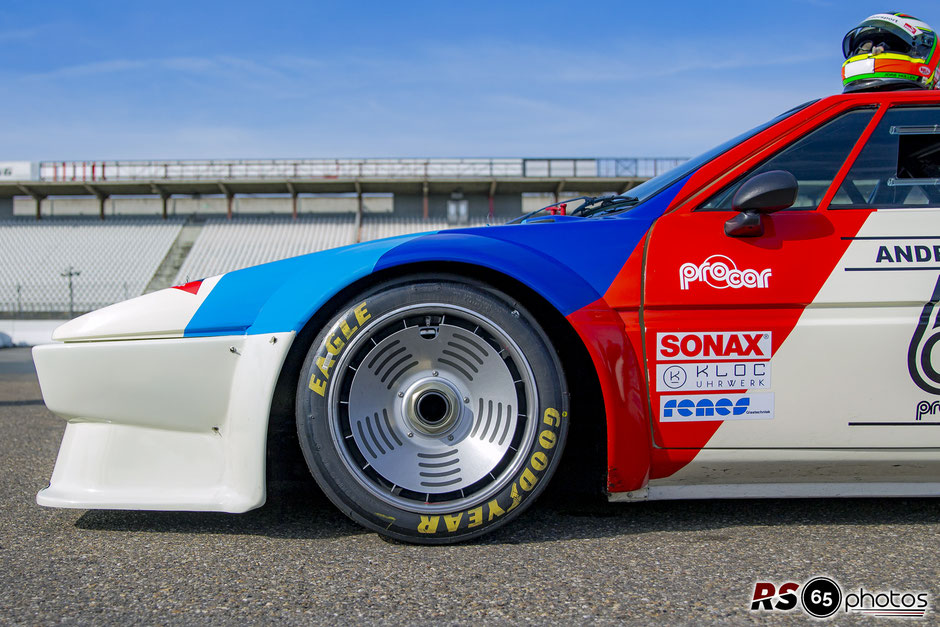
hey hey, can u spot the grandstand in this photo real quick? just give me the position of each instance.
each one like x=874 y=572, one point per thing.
x=112 y=261
x=78 y=236
x=224 y=245
x=125 y=257
x=377 y=227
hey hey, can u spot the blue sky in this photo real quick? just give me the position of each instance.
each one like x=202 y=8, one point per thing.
x=273 y=79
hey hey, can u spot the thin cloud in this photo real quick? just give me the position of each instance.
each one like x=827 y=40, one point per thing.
x=20 y=34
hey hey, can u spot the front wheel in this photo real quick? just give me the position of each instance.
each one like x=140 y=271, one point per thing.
x=432 y=411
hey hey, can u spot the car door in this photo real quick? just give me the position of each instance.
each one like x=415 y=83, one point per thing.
x=802 y=337
x=891 y=274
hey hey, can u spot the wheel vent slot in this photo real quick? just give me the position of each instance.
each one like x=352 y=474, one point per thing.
x=473 y=344
x=462 y=360
x=388 y=423
x=391 y=356
x=365 y=442
x=435 y=469
x=476 y=424
x=456 y=366
x=373 y=425
x=381 y=353
x=378 y=427
x=398 y=374
x=468 y=351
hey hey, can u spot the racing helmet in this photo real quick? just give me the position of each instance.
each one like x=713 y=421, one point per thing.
x=890 y=51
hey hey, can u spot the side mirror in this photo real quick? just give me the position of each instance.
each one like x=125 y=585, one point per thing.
x=763 y=193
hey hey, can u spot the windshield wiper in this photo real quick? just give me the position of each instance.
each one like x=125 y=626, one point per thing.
x=558 y=207
x=605 y=204
x=590 y=205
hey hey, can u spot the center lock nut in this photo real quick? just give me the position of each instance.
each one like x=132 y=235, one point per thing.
x=431 y=407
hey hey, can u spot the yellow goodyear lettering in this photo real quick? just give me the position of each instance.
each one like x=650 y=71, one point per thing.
x=494 y=509
x=428 y=524
x=515 y=496
x=334 y=345
x=317 y=384
x=551 y=417
x=547 y=439
x=453 y=521
x=347 y=331
x=528 y=480
x=475 y=517
x=539 y=461
x=362 y=314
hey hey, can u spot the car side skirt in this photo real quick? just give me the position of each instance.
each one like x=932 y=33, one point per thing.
x=798 y=473
x=778 y=491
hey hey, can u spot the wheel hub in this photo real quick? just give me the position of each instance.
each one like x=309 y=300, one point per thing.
x=432 y=406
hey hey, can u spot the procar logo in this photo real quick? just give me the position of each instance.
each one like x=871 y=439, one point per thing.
x=717 y=346
x=721 y=272
x=926 y=408
x=706 y=407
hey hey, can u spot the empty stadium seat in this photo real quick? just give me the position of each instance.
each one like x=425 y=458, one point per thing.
x=115 y=258
x=377 y=227
x=225 y=245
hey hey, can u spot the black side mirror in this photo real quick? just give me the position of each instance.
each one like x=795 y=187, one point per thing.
x=763 y=193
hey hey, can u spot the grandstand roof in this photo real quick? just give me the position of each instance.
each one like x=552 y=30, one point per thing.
x=336 y=176
x=505 y=185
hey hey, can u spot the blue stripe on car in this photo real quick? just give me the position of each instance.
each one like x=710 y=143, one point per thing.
x=570 y=261
x=283 y=295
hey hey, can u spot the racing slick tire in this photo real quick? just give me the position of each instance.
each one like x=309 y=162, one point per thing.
x=433 y=410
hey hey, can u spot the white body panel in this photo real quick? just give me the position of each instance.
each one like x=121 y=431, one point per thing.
x=161 y=424
x=161 y=314
x=846 y=360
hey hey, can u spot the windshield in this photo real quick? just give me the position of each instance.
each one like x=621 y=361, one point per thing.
x=650 y=188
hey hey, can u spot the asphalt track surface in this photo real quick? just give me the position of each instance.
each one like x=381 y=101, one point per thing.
x=298 y=561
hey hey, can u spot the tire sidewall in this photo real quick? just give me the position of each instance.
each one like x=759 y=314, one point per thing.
x=542 y=453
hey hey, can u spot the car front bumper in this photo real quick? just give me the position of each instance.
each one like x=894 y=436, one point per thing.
x=169 y=424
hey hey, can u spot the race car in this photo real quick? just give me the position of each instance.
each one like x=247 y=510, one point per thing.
x=759 y=322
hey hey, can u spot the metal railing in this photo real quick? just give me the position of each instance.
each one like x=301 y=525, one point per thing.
x=90 y=171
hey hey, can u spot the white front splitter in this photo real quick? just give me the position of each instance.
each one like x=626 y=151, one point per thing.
x=168 y=424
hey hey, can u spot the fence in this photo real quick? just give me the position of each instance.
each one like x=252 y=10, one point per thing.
x=28 y=298
x=625 y=167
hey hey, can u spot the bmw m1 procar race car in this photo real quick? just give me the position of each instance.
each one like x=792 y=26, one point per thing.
x=759 y=322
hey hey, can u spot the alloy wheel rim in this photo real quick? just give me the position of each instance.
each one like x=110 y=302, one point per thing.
x=434 y=408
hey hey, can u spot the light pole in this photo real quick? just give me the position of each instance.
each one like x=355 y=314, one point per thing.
x=69 y=273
